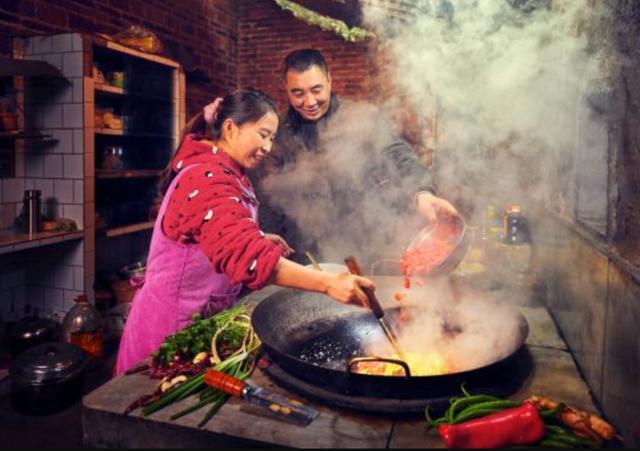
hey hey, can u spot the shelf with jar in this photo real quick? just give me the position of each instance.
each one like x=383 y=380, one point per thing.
x=138 y=112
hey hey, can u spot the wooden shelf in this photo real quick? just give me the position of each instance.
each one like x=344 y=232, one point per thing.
x=113 y=132
x=101 y=87
x=14 y=240
x=127 y=229
x=108 y=90
x=103 y=174
x=23 y=135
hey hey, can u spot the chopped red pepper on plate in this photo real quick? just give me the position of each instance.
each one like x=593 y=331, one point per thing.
x=510 y=427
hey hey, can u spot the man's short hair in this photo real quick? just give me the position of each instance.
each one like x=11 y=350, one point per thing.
x=302 y=59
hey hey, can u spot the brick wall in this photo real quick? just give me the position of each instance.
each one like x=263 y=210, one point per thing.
x=197 y=33
x=267 y=34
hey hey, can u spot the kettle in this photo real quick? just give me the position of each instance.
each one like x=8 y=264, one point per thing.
x=82 y=326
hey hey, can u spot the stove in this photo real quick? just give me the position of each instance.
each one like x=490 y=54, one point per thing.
x=511 y=375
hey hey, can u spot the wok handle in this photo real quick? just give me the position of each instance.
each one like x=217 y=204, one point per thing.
x=401 y=363
x=374 y=305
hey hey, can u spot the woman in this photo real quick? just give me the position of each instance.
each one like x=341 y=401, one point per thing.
x=206 y=243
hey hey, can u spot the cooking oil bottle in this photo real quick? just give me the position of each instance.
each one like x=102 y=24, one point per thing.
x=82 y=326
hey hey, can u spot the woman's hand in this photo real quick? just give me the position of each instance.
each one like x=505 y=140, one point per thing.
x=431 y=206
x=287 y=250
x=347 y=288
x=211 y=110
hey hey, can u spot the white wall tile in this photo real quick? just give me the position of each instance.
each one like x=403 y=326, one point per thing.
x=41 y=44
x=72 y=115
x=77 y=89
x=53 y=165
x=52 y=116
x=78 y=141
x=35 y=297
x=65 y=140
x=19 y=298
x=62 y=43
x=64 y=276
x=34 y=165
x=73 y=167
x=74 y=212
x=12 y=278
x=78 y=278
x=8 y=213
x=78 y=191
x=12 y=190
x=76 y=40
x=53 y=299
x=55 y=59
x=63 y=191
x=46 y=186
x=75 y=255
x=72 y=64
x=30 y=183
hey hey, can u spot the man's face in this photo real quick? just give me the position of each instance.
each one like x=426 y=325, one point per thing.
x=309 y=92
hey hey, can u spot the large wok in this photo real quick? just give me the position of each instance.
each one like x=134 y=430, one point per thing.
x=314 y=338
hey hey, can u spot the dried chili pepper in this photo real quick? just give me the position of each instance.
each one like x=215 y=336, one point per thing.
x=516 y=426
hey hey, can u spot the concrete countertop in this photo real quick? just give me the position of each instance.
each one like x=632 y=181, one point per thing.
x=554 y=375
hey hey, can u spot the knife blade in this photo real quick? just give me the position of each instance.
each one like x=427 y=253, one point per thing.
x=288 y=408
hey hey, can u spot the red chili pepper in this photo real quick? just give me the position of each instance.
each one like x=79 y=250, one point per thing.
x=510 y=427
x=406 y=283
x=399 y=296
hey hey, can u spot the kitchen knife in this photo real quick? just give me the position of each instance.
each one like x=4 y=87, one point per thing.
x=375 y=306
x=288 y=408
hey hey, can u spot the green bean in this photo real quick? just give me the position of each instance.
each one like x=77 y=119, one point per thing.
x=466 y=402
x=499 y=405
x=567 y=437
x=551 y=443
x=474 y=414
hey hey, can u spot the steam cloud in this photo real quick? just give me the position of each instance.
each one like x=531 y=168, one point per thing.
x=519 y=89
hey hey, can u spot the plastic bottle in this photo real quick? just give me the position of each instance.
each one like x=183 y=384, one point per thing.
x=82 y=326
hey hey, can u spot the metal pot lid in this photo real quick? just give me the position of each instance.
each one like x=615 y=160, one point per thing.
x=33 y=327
x=49 y=362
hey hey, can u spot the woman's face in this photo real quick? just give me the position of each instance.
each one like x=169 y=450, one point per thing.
x=251 y=142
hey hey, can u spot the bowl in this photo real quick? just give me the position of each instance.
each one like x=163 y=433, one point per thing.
x=437 y=249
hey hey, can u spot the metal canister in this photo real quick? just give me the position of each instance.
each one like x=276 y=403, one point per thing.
x=32 y=211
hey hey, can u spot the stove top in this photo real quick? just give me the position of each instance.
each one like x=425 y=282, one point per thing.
x=505 y=384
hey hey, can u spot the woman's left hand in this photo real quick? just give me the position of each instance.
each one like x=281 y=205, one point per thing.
x=431 y=206
x=288 y=250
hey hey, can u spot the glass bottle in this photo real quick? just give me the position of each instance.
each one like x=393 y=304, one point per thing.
x=82 y=326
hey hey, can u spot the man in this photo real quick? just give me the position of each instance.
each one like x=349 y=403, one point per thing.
x=339 y=181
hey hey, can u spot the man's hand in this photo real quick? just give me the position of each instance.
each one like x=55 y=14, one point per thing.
x=431 y=206
x=287 y=250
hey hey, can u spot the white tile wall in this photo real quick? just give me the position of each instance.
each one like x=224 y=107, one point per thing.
x=53 y=298
x=64 y=190
x=73 y=166
x=34 y=165
x=53 y=166
x=63 y=276
x=74 y=212
x=78 y=191
x=64 y=140
x=78 y=278
x=62 y=43
x=52 y=115
x=72 y=115
x=78 y=141
x=12 y=190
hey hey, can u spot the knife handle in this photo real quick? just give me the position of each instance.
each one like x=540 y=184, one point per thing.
x=374 y=305
x=224 y=382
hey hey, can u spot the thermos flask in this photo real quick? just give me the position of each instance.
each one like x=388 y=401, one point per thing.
x=32 y=211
